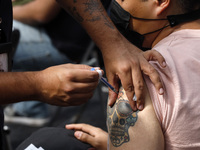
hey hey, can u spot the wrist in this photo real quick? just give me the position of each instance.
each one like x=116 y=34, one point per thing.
x=114 y=43
x=34 y=84
x=38 y=84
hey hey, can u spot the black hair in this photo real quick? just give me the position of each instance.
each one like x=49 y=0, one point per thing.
x=188 y=5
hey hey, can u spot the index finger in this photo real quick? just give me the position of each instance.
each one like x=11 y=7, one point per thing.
x=138 y=83
x=82 y=127
x=84 y=76
x=127 y=83
x=113 y=80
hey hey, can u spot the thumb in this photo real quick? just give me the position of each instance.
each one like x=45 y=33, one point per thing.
x=112 y=98
x=156 y=56
x=114 y=81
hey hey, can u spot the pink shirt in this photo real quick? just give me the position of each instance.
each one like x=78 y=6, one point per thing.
x=178 y=110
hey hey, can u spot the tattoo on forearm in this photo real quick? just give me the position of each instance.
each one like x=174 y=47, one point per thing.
x=77 y=15
x=119 y=118
x=107 y=22
x=95 y=10
x=92 y=6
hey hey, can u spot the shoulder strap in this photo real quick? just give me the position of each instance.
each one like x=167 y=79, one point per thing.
x=6 y=19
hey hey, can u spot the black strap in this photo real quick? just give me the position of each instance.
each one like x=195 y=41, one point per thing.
x=177 y=19
x=6 y=20
x=5 y=47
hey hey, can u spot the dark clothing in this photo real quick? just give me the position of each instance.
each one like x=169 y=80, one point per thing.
x=1 y=126
x=67 y=35
x=6 y=16
x=5 y=37
x=54 y=138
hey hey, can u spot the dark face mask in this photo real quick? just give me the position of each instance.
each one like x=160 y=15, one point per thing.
x=121 y=19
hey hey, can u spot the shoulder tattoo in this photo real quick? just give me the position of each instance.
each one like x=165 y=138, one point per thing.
x=119 y=118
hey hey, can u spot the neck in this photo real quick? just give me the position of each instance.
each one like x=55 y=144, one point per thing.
x=152 y=39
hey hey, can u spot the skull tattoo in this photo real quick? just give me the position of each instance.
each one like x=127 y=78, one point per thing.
x=119 y=118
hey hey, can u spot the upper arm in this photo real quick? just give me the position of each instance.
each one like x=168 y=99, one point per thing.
x=36 y=12
x=127 y=129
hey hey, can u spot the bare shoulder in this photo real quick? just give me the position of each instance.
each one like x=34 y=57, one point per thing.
x=128 y=129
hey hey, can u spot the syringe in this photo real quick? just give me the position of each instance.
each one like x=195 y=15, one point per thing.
x=102 y=79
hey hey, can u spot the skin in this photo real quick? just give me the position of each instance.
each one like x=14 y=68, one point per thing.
x=156 y=10
x=93 y=17
x=145 y=131
x=120 y=118
x=89 y=134
x=145 y=127
x=98 y=138
x=126 y=129
x=59 y=85
x=36 y=12
x=138 y=127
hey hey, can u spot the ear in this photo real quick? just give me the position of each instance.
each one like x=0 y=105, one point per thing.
x=162 y=5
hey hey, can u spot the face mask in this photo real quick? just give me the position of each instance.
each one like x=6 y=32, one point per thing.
x=121 y=19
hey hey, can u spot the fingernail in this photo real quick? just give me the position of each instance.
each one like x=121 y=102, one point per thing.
x=92 y=69
x=109 y=103
x=164 y=63
x=134 y=108
x=161 y=91
x=134 y=98
x=78 y=134
x=140 y=107
x=97 y=68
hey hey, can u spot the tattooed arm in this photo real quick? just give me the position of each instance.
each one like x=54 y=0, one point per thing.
x=133 y=130
x=114 y=47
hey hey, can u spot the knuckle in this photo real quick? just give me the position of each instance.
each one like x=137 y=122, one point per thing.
x=98 y=129
x=129 y=88
x=69 y=89
x=125 y=68
x=139 y=85
x=134 y=63
x=151 y=70
x=69 y=75
x=67 y=101
x=139 y=101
